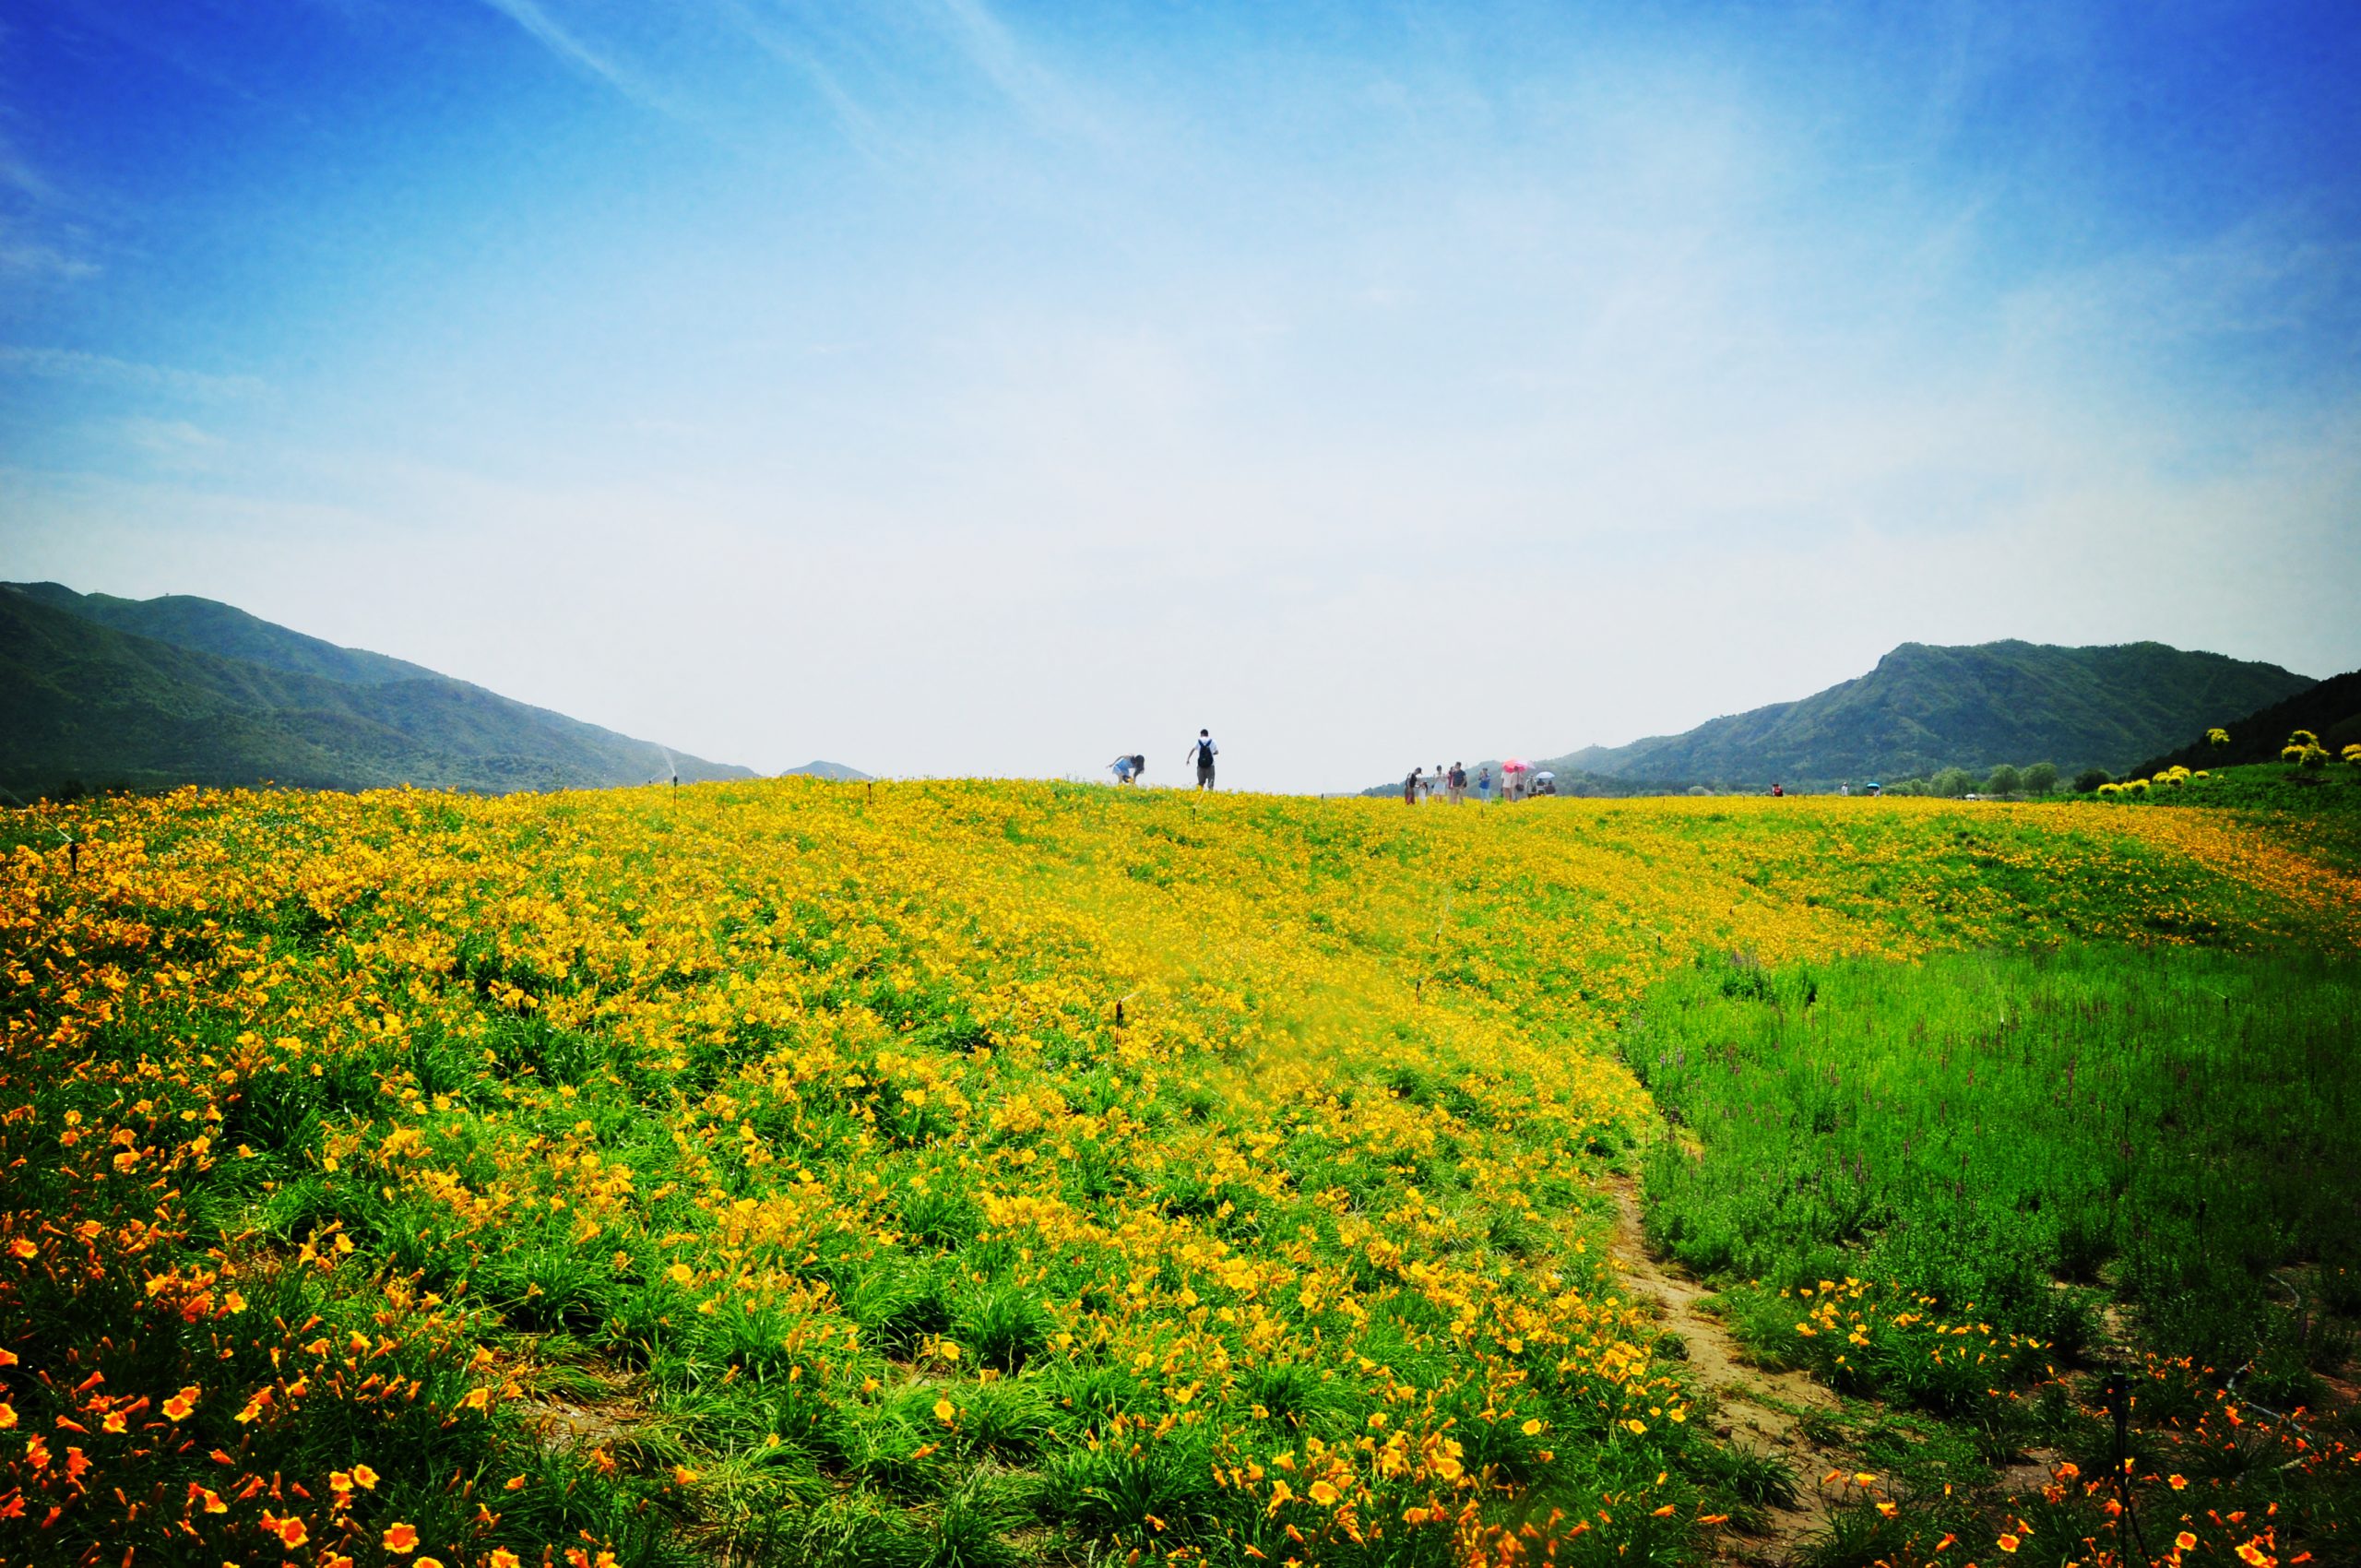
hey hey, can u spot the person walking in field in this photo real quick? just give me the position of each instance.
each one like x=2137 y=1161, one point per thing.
x=1129 y=770
x=1484 y=787
x=1410 y=787
x=1455 y=785
x=1203 y=751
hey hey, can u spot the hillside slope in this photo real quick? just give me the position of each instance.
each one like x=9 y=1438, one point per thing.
x=82 y=700
x=874 y=1152
x=1924 y=708
x=2330 y=710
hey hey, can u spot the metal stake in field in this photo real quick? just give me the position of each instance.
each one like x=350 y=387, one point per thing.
x=2118 y=1405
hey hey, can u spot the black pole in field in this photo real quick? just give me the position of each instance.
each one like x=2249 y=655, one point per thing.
x=2119 y=1406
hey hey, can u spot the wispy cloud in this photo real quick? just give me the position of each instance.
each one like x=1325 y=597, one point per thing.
x=887 y=77
x=18 y=173
x=559 y=40
x=37 y=243
x=2199 y=311
x=31 y=260
x=994 y=50
x=176 y=443
x=854 y=118
x=101 y=370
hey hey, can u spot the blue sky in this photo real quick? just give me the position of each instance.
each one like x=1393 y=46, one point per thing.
x=950 y=388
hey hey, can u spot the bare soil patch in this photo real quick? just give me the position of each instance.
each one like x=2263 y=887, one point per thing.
x=1760 y=1409
x=583 y=1406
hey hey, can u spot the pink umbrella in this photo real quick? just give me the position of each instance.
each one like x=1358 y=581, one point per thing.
x=1516 y=764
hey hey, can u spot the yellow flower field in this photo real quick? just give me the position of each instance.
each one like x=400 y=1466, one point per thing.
x=940 y=1172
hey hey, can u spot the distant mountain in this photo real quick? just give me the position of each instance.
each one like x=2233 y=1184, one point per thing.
x=832 y=770
x=207 y=625
x=2330 y=710
x=1924 y=708
x=150 y=694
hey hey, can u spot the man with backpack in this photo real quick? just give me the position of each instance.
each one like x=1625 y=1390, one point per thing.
x=1203 y=751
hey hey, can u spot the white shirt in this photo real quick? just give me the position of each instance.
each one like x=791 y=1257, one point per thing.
x=1206 y=741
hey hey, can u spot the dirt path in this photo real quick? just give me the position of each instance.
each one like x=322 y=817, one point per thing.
x=1758 y=1409
x=586 y=1406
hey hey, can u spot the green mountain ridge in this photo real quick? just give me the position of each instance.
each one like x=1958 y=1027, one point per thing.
x=1926 y=707
x=151 y=694
x=207 y=625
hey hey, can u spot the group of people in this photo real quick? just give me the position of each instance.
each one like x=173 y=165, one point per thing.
x=1132 y=768
x=1420 y=787
x=1517 y=782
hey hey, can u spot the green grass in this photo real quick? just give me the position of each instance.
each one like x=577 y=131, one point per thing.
x=2169 y=1127
x=1954 y=1173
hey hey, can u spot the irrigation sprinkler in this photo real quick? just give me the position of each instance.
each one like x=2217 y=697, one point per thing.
x=73 y=844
